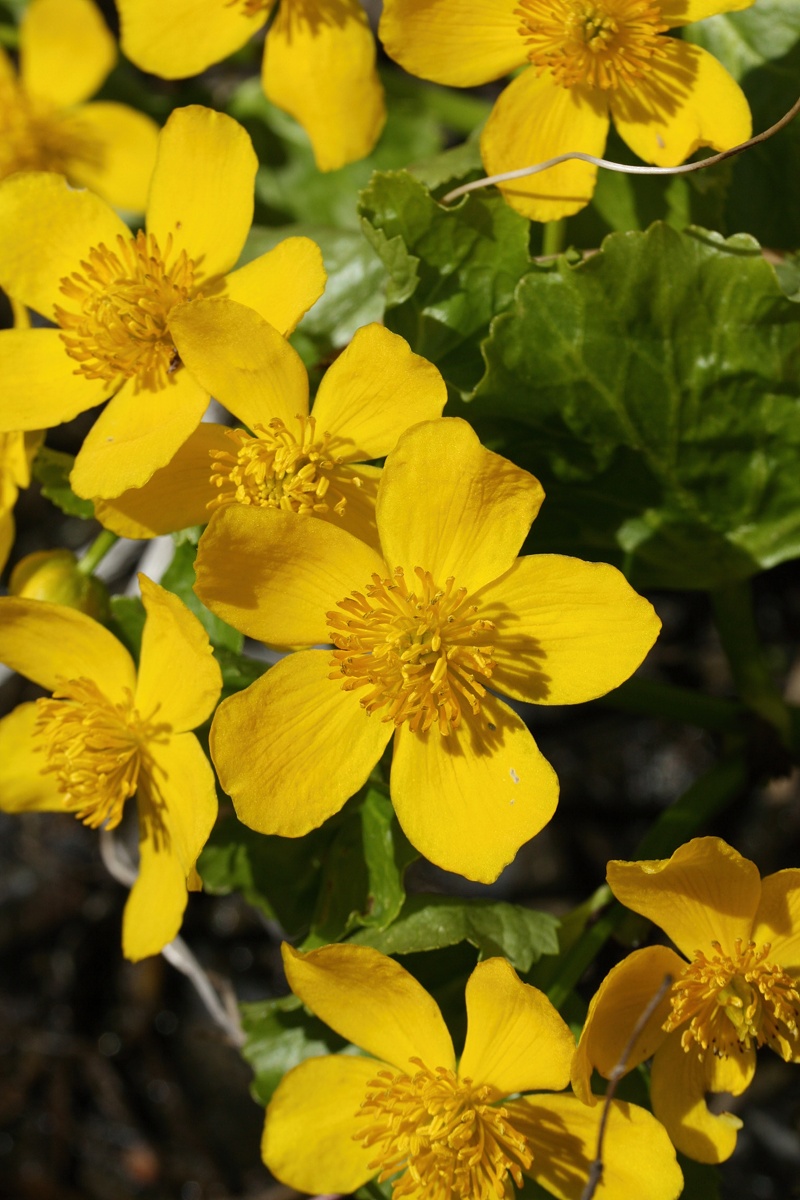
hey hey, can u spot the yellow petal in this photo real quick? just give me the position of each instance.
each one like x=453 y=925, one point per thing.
x=319 y=66
x=311 y=1121
x=372 y=1001
x=359 y=487
x=183 y=37
x=688 y=100
x=535 y=119
x=125 y=141
x=175 y=497
x=46 y=642
x=475 y=512
x=731 y=1073
x=677 y=1092
x=42 y=387
x=683 y=12
x=179 y=678
x=54 y=226
x=66 y=50
x=138 y=432
x=567 y=630
x=459 y=42
x=374 y=391
x=23 y=786
x=275 y=575
x=705 y=893
x=177 y=804
x=516 y=1041
x=293 y=747
x=241 y=360
x=562 y=1134
x=778 y=918
x=468 y=801
x=614 y=1010
x=201 y=194
x=282 y=284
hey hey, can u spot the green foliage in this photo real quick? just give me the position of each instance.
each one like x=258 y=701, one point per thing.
x=51 y=468
x=280 y=1035
x=494 y=927
x=179 y=578
x=653 y=389
x=127 y=622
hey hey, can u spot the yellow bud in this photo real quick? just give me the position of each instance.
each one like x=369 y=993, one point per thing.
x=54 y=575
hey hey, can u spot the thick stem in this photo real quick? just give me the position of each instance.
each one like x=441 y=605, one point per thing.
x=99 y=548
x=554 y=237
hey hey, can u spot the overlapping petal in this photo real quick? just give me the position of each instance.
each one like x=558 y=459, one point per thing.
x=319 y=66
x=179 y=678
x=282 y=284
x=43 y=389
x=474 y=524
x=47 y=643
x=705 y=893
x=778 y=918
x=372 y=1001
x=66 y=50
x=468 y=801
x=459 y=42
x=567 y=631
x=308 y=1140
x=275 y=575
x=23 y=785
x=375 y=390
x=184 y=37
x=683 y=12
x=516 y=1040
x=125 y=141
x=293 y=747
x=201 y=194
x=678 y=1085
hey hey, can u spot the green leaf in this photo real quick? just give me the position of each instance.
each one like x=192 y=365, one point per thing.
x=127 y=622
x=179 y=579
x=451 y=270
x=238 y=671
x=280 y=1035
x=51 y=468
x=745 y=40
x=653 y=389
x=493 y=926
x=701 y=1181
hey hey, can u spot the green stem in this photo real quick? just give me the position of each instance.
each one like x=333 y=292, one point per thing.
x=9 y=36
x=735 y=620
x=97 y=552
x=703 y=800
x=554 y=237
x=648 y=697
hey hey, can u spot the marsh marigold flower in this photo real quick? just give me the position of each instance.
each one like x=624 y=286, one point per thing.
x=443 y=1129
x=319 y=60
x=588 y=60
x=109 y=733
x=735 y=989
x=114 y=297
x=423 y=633
x=17 y=451
x=65 y=53
x=313 y=464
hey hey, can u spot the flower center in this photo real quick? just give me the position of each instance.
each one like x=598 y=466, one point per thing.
x=734 y=1002
x=118 y=328
x=34 y=137
x=94 y=748
x=273 y=468
x=602 y=43
x=417 y=652
x=443 y=1134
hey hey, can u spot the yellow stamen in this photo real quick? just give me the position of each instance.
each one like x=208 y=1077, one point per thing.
x=601 y=43
x=119 y=329
x=419 y=654
x=735 y=1002
x=276 y=469
x=94 y=748
x=444 y=1134
x=36 y=137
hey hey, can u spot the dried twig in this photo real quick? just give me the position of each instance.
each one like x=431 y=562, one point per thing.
x=624 y=168
x=596 y=1167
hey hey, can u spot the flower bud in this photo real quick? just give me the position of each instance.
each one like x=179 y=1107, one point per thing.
x=54 y=575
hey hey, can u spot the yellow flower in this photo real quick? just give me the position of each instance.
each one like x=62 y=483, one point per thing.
x=291 y=460
x=735 y=989
x=590 y=60
x=115 y=297
x=17 y=452
x=319 y=60
x=66 y=51
x=336 y=1122
x=421 y=631
x=108 y=734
